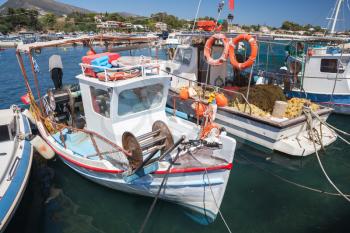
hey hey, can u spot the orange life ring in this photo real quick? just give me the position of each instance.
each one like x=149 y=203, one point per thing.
x=115 y=76
x=253 y=47
x=209 y=44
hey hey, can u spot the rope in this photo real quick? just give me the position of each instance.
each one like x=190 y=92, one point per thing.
x=289 y=181
x=150 y=210
x=212 y=193
x=329 y=126
x=308 y=114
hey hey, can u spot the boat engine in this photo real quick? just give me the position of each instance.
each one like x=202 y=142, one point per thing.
x=65 y=105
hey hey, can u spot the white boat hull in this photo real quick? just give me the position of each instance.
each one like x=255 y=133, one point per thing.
x=188 y=187
x=290 y=138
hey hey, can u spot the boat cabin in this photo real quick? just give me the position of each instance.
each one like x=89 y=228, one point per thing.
x=189 y=63
x=323 y=67
x=114 y=107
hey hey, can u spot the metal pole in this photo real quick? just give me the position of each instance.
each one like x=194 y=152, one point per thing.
x=335 y=19
x=195 y=19
x=24 y=73
x=35 y=79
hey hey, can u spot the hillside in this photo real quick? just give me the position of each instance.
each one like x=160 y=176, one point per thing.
x=43 y=6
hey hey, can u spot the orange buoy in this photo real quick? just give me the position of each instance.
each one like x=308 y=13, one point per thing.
x=221 y=100
x=184 y=94
x=310 y=52
x=253 y=53
x=199 y=109
x=209 y=44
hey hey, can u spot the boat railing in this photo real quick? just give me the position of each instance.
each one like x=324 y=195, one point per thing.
x=144 y=69
x=235 y=96
x=104 y=148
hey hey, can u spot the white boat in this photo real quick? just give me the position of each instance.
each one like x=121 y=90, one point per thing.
x=289 y=136
x=172 y=40
x=157 y=147
x=16 y=156
x=324 y=73
x=324 y=78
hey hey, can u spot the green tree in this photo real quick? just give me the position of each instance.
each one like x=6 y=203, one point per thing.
x=49 y=20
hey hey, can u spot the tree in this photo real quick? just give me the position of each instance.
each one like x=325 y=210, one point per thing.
x=49 y=20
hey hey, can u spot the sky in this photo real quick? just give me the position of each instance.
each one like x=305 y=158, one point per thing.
x=269 y=12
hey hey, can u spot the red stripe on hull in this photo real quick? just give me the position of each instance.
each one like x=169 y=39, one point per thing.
x=172 y=171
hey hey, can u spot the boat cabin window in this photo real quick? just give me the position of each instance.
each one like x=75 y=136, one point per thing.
x=184 y=56
x=4 y=133
x=331 y=66
x=101 y=101
x=140 y=99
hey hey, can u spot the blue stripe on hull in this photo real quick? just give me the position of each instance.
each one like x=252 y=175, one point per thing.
x=19 y=178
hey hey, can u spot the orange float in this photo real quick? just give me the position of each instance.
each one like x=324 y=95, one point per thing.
x=253 y=53
x=184 y=94
x=221 y=100
x=208 y=48
x=199 y=109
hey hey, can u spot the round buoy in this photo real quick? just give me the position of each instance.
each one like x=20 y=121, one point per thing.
x=199 y=109
x=184 y=94
x=221 y=100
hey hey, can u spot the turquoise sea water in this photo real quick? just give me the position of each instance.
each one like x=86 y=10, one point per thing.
x=256 y=201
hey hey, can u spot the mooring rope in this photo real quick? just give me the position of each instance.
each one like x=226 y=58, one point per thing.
x=150 y=210
x=308 y=113
x=289 y=181
x=212 y=192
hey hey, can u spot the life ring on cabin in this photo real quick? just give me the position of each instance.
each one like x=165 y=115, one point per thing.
x=253 y=47
x=115 y=76
x=209 y=44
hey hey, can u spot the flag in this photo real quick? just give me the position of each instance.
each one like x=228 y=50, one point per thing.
x=231 y=5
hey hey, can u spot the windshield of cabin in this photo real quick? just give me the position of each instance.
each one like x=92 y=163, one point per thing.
x=140 y=99
x=183 y=56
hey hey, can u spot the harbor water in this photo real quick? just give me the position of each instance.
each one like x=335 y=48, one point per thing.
x=267 y=192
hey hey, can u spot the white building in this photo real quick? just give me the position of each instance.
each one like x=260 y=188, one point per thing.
x=161 y=26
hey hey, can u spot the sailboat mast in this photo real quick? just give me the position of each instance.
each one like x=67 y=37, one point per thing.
x=335 y=19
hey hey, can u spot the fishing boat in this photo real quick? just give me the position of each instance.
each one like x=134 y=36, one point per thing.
x=190 y=69
x=161 y=155
x=16 y=156
x=322 y=68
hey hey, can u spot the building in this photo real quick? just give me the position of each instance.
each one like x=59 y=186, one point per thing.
x=161 y=26
x=109 y=25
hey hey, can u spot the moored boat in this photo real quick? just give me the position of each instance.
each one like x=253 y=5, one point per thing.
x=161 y=155
x=189 y=69
x=16 y=155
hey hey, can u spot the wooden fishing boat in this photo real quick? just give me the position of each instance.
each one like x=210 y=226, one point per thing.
x=16 y=155
x=161 y=154
x=189 y=68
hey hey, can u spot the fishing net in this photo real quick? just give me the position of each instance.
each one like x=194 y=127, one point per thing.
x=296 y=105
x=263 y=96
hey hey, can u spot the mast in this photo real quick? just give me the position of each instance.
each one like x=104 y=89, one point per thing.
x=335 y=18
